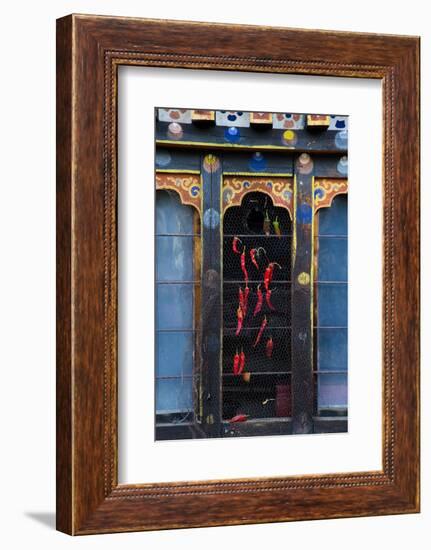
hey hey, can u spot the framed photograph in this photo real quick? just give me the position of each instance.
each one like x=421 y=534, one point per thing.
x=237 y=274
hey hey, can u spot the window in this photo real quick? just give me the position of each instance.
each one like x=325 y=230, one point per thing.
x=251 y=278
x=177 y=275
x=263 y=388
x=331 y=297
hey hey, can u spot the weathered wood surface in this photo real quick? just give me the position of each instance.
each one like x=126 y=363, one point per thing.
x=302 y=297
x=214 y=137
x=211 y=294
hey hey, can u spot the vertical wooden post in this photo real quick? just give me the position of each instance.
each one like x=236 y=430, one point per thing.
x=211 y=309
x=302 y=297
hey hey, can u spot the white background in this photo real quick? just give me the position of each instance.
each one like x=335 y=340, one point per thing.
x=27 y=276
x=141 y=458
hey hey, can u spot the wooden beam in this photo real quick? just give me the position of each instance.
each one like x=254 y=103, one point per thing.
x=214 y=137
x=302 y=297
x=211 y=310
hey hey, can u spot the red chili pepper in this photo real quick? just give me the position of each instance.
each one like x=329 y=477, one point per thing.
x=240 y=317
x=269 y=271
x=259 y=302
x=245 y=300
x=243 y=267
x=241 y=362
x=259 y=334
x=235 y=245
x=267 y=276
x=241 y=298
x=238 y=418
x=268 y=299
x=236 y=362
x=253 y=253
x=269 y=347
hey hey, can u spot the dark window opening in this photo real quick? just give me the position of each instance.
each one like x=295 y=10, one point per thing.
x=262 y=389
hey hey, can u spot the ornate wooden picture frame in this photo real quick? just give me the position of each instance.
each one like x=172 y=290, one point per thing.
x=89 y=51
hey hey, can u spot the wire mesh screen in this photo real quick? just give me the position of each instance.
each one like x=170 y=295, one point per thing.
x=257 y=240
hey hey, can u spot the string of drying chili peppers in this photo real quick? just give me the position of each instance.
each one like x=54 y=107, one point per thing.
x=243 y=295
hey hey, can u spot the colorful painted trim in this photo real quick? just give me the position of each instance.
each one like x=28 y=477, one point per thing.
x=279 y=121
x=318 y=120
x=175 y=115
x=326 y=189
x=203 y=115
x=279 y=189
x=188 y=187
x=288 y=121
x=261 y=118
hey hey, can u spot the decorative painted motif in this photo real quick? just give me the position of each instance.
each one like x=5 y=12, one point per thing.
x=163 y=158
x=260 y=118
x=278 y=188
x=289 y=138
x=188 y=186
x=343 y=165
x=338 y=122
x=200 y=115
x=211 y=163
x=241 y=119
x=175 y=115
x=326 y=189
x=175 y=131
x=322 y=121
x=257 y=162
x=341 y=138
x=304 y=278
x=232 y=134
x=304 y=164
x=288 y=121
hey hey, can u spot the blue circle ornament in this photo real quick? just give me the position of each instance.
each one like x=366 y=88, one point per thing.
x=341 y=139
x=163 y=158
x=257 y=162
x=232 y=134
x=343 y=165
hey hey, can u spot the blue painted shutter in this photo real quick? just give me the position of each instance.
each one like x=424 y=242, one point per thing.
x=332 y=306
x=174 y=304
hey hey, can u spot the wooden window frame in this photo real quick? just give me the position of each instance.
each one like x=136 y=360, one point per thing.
x=210 y=422
x=89 y=51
